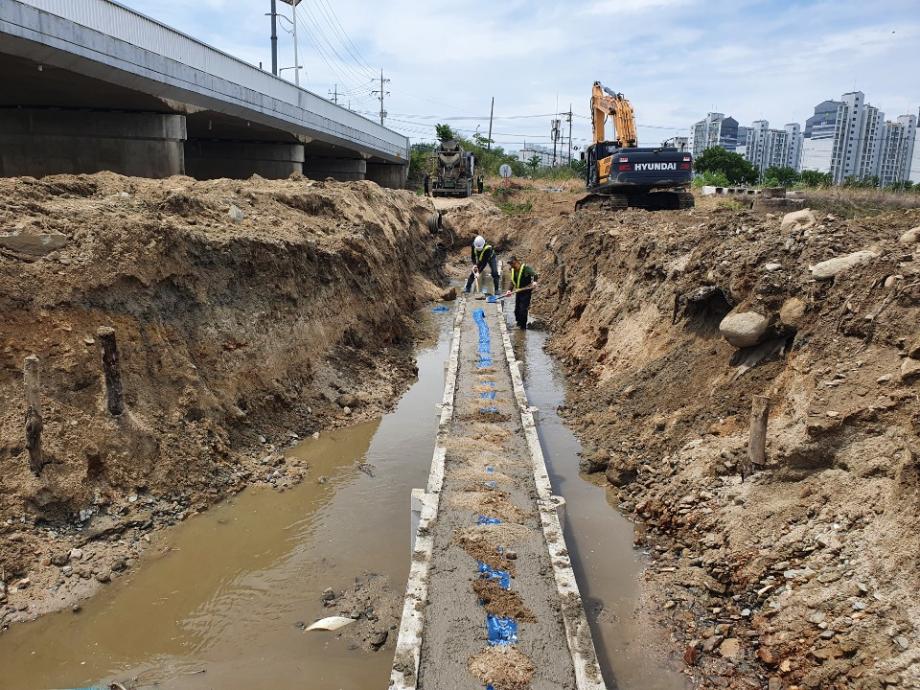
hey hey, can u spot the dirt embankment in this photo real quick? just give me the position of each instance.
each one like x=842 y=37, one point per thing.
x=805 y=574
x=246 y=313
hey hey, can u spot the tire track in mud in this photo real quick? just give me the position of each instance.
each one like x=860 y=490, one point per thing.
x=491 y=598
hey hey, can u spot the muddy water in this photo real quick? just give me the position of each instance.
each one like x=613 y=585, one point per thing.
x=600 y=539
x=216 y=601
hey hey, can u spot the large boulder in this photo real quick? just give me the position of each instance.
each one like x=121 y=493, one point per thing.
x=798 y=220
x=832 y=267
x=744 y=329
x=912 y=236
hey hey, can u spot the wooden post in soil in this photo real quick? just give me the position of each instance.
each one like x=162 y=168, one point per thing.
x=31 y=376
x=757 y=443
x=115 y=397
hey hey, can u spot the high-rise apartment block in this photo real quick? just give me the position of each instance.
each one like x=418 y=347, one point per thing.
x=714 y=130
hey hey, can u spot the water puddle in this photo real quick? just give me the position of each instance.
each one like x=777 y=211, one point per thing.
x=216 y=600
x=599 y=538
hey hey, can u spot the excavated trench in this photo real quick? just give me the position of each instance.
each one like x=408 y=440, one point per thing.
x=222 y=600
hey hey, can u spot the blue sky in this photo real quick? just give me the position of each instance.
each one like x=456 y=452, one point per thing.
x=675 y=60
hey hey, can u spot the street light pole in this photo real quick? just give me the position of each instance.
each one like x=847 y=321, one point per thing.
x=274 y=38
x=294 y=4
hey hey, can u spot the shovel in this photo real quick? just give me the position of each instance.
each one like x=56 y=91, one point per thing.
x=514 y=292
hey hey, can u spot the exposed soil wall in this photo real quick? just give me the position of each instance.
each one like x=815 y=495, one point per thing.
x=245 y=312
x=804 y=574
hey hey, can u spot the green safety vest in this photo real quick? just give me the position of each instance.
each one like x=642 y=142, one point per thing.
x=480 y=253
x=516 y=277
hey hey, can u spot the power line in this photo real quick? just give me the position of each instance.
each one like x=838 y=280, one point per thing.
x=362 y=84
x=318 y=31
x=329 y=11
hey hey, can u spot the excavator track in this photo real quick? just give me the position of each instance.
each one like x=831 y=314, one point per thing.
x=662 y=201
x=606 y=202
x=650 y=201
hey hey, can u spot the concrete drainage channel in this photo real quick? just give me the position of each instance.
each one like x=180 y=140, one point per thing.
x=491 y=595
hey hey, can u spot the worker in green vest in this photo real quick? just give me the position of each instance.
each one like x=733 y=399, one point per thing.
x=482 y=255
x=523 y=283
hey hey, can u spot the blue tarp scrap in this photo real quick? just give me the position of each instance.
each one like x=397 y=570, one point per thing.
x=502 y=577
x=489 y=469
x=486 y=520
x=491 y=409
x=491 y=484
x=489 y=395
x=440 y=309
x=501 y=630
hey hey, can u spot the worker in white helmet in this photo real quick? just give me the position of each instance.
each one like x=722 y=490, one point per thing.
x=483 y=255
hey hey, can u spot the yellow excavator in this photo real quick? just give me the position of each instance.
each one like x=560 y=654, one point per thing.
x=621 y=174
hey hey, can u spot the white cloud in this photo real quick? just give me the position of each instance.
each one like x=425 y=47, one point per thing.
x=626 y=7
x=675 y=59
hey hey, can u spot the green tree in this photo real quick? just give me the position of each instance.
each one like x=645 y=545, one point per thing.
x=533 y=162
x=733 y=165
x=419 y=163
x=902 y=186
x=782 y=176
x=854 y=182
x=444 y=132
x=482 y=141
x=814 y=178
x=713 y=179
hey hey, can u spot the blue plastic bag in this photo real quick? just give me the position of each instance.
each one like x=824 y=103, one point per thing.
x=501 y=630
x=485 y=520
x=502 y=577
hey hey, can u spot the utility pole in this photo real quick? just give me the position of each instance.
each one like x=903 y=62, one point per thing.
x=569 y=117
x=335 y=94
x=491 y=114
x=274 y=16
x=554 y=133
x=382 y=93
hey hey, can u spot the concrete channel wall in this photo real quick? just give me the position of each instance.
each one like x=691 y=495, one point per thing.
x=488 y=479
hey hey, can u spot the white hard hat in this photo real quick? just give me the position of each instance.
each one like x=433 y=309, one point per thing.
x=479 y=242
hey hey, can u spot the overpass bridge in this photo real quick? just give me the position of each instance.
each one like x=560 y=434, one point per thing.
x=91 y=85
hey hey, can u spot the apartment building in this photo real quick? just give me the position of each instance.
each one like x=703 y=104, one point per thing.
x=896 y=151
x=714 y=130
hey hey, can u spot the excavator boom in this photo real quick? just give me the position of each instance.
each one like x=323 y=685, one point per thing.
x=606 y=103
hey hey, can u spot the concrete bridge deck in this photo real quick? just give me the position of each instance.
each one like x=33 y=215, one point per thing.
x=91 y=85
x=491 y=599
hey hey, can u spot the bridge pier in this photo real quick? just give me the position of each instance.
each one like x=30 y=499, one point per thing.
x=388 y=174
x=211 y=159
x=47 y=141
x=342 y=169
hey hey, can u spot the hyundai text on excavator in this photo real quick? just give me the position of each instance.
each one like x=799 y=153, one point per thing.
x=620 y=173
